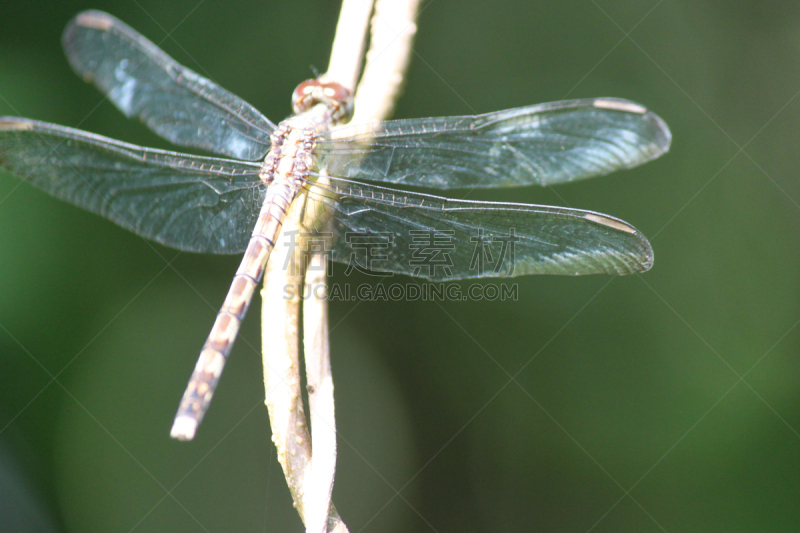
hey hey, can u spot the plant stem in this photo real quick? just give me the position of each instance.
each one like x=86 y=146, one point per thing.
x=310 y=477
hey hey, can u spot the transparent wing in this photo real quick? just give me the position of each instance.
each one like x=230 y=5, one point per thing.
x=197 y=204
x=175 y=102
x=542 y=144
x=442 y=239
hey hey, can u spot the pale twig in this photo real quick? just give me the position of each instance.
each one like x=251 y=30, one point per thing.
x=282 y=296
x=320 y=515
x=347 y=52
x=280 y=325
x=310 y=476
x=393 y=29
x=319 y=482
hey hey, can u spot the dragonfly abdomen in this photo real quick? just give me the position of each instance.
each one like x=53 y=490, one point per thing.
x=284 y=170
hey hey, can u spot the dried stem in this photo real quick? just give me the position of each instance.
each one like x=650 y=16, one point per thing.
x=310 y=476
x=319 y=483
x=347 y=52
x=393 y=28
x=281 y=294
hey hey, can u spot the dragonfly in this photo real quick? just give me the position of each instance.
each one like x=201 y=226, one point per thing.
x=236 y=200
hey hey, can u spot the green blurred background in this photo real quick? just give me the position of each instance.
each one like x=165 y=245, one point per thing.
x=663 y=402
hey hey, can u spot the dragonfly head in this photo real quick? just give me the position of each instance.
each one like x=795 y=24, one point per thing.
x=334 y=95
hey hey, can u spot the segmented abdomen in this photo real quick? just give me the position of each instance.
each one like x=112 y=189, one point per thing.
x=218 y=346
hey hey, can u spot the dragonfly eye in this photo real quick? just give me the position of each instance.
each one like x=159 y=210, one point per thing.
x=332 y=94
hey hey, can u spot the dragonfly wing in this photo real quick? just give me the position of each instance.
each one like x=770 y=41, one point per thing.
x=443 y=239
x=175 y=102
x=197 y=204
x=542 y=144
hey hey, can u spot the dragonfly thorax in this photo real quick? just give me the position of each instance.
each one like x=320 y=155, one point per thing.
x=289 y=158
